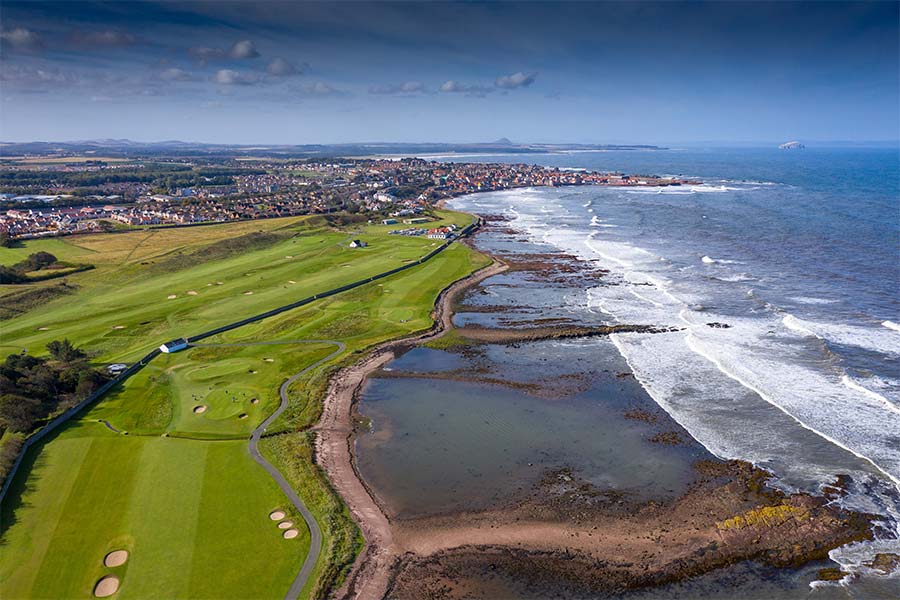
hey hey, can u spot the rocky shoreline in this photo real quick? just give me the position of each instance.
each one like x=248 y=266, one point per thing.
x=566 y=538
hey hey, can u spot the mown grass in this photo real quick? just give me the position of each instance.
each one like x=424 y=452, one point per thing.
x=194 y=516
x=193 y=511
x=123 y=308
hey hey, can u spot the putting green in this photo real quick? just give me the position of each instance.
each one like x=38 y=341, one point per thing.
x=193 y=513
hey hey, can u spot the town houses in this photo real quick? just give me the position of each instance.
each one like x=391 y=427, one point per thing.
x=388 y=189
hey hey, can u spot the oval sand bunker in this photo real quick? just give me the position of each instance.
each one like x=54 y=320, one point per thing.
x=107 y=586
x=242 y=416
x=199 y=409
x=116 y=558
x=285 y=525
x=276 y=515
x=291 y=534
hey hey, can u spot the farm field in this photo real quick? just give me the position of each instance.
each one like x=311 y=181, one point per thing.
x=180 y=491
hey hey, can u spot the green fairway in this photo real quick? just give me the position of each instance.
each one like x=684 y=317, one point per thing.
x=180 y=490
x=148 y=287
x=193 y=515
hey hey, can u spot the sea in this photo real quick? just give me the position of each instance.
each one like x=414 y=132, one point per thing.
x=778 y=278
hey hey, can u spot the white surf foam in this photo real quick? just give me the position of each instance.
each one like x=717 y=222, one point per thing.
x=870 y=338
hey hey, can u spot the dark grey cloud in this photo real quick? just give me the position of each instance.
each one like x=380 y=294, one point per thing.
x=409 y=88
x=21 y=39
x=516 y=80
x=280 y=67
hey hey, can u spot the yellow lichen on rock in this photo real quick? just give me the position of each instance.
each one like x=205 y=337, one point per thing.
x=767 y=516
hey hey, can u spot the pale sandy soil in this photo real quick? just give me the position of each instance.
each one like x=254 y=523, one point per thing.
x=116 y=558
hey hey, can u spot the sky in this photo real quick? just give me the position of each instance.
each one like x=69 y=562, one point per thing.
x=303 y=73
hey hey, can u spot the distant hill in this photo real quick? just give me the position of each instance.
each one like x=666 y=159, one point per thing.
x=130 y=148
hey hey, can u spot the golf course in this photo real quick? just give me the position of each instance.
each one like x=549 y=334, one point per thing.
x=159 y=467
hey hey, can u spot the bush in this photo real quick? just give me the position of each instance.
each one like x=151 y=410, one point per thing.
x=8 y=275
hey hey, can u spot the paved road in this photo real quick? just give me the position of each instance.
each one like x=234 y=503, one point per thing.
x=315 y=542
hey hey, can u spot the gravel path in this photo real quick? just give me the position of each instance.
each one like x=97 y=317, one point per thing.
x=315 y=534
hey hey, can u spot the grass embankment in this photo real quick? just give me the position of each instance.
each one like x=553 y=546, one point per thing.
x=194 y=512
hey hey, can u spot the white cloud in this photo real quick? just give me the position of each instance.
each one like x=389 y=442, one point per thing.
x=320 y=88
x=175 y=74
x=409 y=88
x=454 y=87
x=516 y=80
x=231 y=77
x=243 y=49
x=239 y=50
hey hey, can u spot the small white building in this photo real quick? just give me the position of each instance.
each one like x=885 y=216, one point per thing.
x=358 y=244
x=174 y=346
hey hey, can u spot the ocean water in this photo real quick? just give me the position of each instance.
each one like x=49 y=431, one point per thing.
x=797 y=253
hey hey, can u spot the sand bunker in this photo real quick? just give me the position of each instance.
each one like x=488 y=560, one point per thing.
x=269 y=359
x=291 y=281
x=118 y=327
x=43 y=328
x=291 y=534
x=199 y=409
x=285 y=525
x=220 y=283
x=172 y=296
x=248 y=293
x=276 y=515
x=254 y=400
x=242 y=416
x=107 y=586
x=116 y=558
x=289 y=256
x=192 y=293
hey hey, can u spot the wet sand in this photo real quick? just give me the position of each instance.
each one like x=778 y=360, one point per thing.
x=566 y=537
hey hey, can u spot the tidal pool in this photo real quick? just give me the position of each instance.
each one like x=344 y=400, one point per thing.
x=445 y=445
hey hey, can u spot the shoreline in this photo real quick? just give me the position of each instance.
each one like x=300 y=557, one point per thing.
x=369 y=576
x=439 y=554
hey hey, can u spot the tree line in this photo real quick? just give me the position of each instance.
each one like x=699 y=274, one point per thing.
x=34 y=388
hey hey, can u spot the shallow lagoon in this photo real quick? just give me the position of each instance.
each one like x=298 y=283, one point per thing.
x=440 y=445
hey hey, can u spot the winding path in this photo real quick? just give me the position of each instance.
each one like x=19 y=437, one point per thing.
x=315 y=534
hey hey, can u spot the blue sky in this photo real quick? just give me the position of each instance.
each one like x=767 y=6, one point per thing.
x=284 y=72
